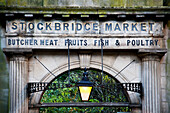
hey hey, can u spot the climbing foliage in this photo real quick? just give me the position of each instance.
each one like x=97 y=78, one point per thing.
x=104 y=90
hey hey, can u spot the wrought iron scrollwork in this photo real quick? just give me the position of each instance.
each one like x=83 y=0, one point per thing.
x=41 y=86
x=134 y=87
x=36 y=87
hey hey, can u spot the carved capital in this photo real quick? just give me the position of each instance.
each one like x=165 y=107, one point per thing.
x=151 y=54
x=13 y=53
x=18 y=58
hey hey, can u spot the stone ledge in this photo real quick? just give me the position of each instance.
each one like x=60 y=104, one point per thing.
x=157 y=53
x=86 y=10
x=17 y=51
x=162 y=51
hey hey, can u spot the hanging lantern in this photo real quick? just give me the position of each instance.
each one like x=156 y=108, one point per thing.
x=85 y=87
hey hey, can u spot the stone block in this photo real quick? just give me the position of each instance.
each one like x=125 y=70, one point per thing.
x=163 y=94
x=4 y=82
x=164 y=59
x=168 y=98
x=168 y=42
x=109 y=60
x=133 y=3
x=80 y=3
x=34 y=2
x=32 y=79
x=4 y=101
x=65 y=2
x=168 y=27
x=136 y=80
x=88 y=3
x=163 y=68
x=168 y=69
x=2 y=68
x=22 y=3
x=136 y=110
x=168 y=83
x=2 y=2
x=84 y=3
x=168 y=57
x=117 y=3
x=165 y=107
x=163 y=82
x=50 y=2
x=96 y=2
x=12 y=2
x=168 y=93
x=166 y=3
x=105 y=3
x=132 y=71
x=4 y=94
x=154 y=3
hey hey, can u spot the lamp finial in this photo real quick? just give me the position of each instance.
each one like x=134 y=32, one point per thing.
x=85 y=74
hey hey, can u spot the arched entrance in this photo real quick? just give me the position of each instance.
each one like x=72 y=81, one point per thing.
x=108 y=94
x=112 y=65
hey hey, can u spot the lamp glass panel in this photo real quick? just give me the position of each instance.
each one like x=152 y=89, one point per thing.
x=85 y=92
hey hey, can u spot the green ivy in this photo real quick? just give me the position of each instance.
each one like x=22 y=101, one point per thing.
x=71 y=94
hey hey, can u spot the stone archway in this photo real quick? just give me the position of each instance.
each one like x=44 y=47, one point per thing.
x=90 y=63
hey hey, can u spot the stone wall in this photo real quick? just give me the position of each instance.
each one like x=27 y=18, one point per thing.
x=83 y=3
x=3 y=75
x=166 y=2
x=168 y=68
x=77 y=3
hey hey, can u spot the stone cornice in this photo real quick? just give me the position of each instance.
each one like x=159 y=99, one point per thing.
x=163 y=51
x=86 y=10
x=17 y=51
x=151 y=54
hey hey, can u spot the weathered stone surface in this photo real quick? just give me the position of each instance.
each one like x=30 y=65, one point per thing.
x=151 y=84
x=165 y=107
x=133 y=3
x=163 y=82
x=168 y=89
x=2 y=2
x=84 y=3
x=57 y=62
x=22 y=2
x=4 y=99
x=166 y=3
x=18 y=79
x=4 y=87
x=163 y=91
x=50 y=3
x=79 y=26
x=84 y=60
x=12 y=3
x=112 y=60
x=37 y=71
x=34 y=3
x=3 y=80
x=154 y=3
x=84 y=43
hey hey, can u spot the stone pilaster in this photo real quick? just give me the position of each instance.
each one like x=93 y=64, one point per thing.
x=151 y=102
x=18 y=78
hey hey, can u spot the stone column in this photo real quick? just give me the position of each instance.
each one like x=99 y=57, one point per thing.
x=18 y=78
x=151 y=101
